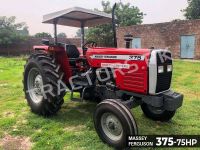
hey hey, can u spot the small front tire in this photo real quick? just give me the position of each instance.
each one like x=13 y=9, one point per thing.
x=157 y=114
x=114 y=122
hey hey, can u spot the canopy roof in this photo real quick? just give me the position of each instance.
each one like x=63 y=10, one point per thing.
x=77 y=17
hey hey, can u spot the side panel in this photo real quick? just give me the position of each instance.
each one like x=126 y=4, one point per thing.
x=133 y=79
x=130 y=66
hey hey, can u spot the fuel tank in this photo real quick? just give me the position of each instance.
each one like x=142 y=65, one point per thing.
x=130 y=66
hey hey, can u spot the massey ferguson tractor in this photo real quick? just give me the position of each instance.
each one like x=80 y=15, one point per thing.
x=119 y=78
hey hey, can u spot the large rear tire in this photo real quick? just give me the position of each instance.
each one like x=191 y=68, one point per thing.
x=157 y=114
x=41 y=77
x=114 y=122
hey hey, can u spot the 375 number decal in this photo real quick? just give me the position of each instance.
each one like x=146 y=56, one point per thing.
x=163 y=141
x=136 y=57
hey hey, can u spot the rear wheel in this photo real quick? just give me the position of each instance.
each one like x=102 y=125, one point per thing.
x=157 y=114
x=41 y=77
x=114 y=122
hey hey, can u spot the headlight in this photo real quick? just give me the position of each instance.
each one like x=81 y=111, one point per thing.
x=160 y=69
x=169 y=68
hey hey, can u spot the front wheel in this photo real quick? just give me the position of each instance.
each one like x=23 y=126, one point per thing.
x=157 y=114
x=114 y=122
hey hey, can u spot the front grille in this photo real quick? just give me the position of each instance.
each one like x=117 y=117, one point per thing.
x=163 y=79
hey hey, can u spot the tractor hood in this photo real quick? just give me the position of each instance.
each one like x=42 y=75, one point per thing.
x=97 y=56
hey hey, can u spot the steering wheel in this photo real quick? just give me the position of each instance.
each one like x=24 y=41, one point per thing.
x=89 y=44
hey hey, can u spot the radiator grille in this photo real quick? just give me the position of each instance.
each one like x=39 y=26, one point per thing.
x=163 y=79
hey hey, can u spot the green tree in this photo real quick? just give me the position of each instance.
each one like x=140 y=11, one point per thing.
x=193 y=9
x=10 y=31
x=126 y=15
x=62 y=35
x=78 y=32
x=43 y=35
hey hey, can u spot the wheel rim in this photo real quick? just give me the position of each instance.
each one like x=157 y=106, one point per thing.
x=111 y=126
x=156 y=110
x=35 y=85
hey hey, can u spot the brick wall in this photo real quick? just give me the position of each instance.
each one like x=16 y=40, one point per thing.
x=163 y=35
x=26 y=46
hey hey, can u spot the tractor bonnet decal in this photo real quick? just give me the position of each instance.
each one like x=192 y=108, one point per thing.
x=119 y=57
x=113 y=65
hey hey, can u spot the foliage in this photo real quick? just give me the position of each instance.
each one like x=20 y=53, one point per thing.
x=72 y=128
x=62 y=35
x=126 y=15
x=78 y=32
x=11 y=32
x=193 y=9
x=43 y=35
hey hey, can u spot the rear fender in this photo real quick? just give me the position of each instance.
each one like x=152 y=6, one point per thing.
x=61 y=58
x=51 y=48
x=44 y=48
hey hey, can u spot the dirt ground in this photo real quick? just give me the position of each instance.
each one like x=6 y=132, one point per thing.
x=15 y=143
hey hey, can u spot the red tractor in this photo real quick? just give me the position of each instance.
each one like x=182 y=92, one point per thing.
x=119 y=78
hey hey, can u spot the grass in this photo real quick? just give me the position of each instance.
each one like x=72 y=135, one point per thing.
x=72 y=128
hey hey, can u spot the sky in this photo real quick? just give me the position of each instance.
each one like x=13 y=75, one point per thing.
x=31 y=11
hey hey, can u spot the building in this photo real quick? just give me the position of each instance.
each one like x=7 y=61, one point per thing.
x=182 y=37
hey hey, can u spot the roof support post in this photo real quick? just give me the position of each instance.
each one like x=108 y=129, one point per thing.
x=55 y=32
x=82 y=34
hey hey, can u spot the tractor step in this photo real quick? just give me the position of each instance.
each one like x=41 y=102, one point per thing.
x=72 y=98
x=81 y=83
x=82 y=97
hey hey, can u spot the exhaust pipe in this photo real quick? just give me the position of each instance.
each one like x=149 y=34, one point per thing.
x=114 y=25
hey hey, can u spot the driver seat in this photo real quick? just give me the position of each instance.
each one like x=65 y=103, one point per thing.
x=72 y=51
x=73 y=54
